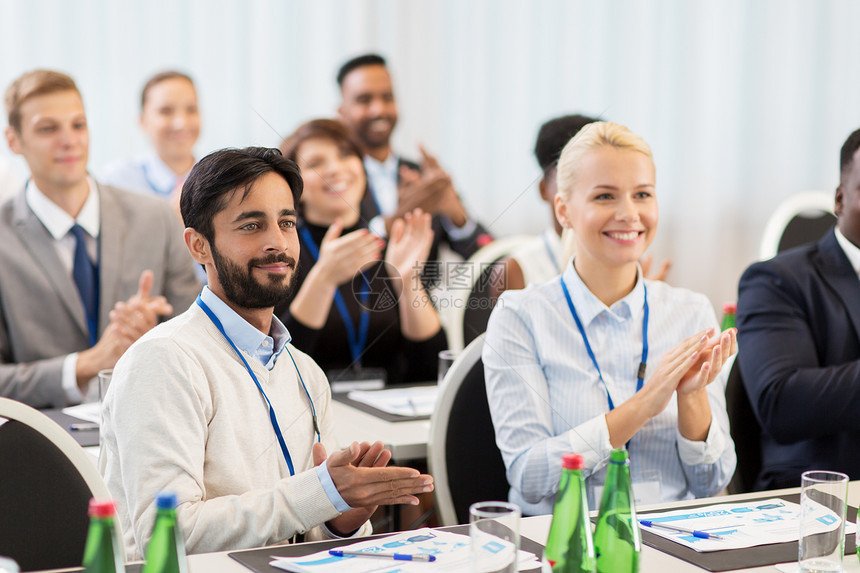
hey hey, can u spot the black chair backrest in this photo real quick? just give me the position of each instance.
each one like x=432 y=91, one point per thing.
x=805 y=228
x=476 y=471
x=479 y=305
x=43 y=501
x=746 y=433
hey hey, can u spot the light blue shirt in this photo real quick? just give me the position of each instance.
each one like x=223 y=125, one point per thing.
x=142 y=174
x=266 y=349
x=546 y=397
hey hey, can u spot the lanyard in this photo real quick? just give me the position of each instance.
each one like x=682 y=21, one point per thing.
x=355 y=337
x=272 y=416
x=163 y=192
x=640 y=374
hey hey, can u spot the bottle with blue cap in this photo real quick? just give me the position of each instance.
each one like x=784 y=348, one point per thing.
x=166 y=550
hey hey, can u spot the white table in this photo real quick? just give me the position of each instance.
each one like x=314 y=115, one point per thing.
x=537 y=528
x=406 y=440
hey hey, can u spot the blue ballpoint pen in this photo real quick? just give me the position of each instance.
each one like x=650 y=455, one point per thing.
x=693 y=532
x=397 y=556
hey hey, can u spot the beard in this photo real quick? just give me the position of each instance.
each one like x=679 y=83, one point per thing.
x=372 y=138
x=241 y=288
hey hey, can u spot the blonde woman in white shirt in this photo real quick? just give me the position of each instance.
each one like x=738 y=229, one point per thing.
x=601 y=358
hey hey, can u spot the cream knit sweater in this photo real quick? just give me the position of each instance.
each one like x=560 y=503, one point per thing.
x=183 y=414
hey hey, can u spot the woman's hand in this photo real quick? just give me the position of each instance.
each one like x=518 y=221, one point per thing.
x=682 y=364
x=409 y=244
x=341 y=258
x=681 y=361
x=711 y=360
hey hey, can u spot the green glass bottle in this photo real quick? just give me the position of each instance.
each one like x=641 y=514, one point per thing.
x=729 y=311
x=166 y=550
x=103 y=552
x=617 y=541
x=570 y=548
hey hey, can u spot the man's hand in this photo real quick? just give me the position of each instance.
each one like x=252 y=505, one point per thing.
x=660 y=274
x=129 y=321
x=361 y=478
x=430 y=190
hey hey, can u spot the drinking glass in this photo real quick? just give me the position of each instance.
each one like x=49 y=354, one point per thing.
x=823 y=496
x=446 y=359
x=494 y=527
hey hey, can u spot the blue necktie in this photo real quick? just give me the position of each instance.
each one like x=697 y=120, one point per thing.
x=86 y=276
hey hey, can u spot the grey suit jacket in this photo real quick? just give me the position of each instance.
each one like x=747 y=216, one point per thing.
x=41 y=315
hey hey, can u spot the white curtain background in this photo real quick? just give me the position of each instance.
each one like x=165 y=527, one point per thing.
x=744 y=102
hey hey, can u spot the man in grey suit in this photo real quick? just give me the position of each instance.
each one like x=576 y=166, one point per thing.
x=85 y=269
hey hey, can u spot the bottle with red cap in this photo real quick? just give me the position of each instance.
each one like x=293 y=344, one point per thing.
x=103 y=552
x=569 y=547
x=729 y=311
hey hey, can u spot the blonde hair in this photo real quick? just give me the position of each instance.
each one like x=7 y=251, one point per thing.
x=30 y=85
x=590 y=137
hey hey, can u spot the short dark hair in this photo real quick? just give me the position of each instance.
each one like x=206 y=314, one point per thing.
x=359 y=62
x=161 y=77
x=215 y=177
x=554 y=135
x=849 y=148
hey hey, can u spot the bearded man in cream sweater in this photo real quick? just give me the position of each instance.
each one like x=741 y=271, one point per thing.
x=219 y=407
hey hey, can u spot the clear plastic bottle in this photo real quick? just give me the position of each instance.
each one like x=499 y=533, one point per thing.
x=103 y=552
x=166 y=550
x=570 y=548
x=617 y=541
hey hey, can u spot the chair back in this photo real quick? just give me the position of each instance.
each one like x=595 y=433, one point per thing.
x=462 y=454
x=46 y=483
x=471 y=306
x=800 y=219
x=745 y=431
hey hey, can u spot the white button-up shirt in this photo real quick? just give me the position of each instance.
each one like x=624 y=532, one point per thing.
x=546 y=397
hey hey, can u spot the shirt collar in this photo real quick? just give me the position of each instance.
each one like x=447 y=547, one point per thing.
x=387 y=167
x=852 y=251
x=246 y=337
x=589 y=307
x=57 y=221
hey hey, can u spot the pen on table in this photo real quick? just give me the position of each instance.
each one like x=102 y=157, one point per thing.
x=412 y=405
x=693 y=532
x=397 y=556
x=83 y=426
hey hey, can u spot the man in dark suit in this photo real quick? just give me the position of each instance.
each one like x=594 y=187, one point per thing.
x=799 y=338
x=85 y=269
x=396 y=185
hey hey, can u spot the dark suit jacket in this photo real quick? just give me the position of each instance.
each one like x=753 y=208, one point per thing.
x=464 y=247
x=799 y=338
x=41 y=315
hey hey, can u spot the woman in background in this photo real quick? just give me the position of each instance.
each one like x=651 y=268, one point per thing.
x=358 y=304
x=601 y=357
x=170 y=118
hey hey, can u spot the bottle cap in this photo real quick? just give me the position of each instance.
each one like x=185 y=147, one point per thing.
x=730 y=307
x=618 y=456
x=572 y=462
x=165 y=500
x=102 y=508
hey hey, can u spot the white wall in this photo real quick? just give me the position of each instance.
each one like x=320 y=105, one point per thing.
x=743 y=101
